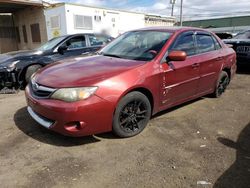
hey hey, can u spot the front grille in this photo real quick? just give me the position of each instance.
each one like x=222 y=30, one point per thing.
x=241 y=48
x=40 y=91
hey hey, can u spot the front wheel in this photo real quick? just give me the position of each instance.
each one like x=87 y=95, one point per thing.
x=131 y=115
x=31 y=70
x=222 y=84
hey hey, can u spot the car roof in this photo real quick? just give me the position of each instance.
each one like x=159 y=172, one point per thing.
x=170 y=29
x=79 y=34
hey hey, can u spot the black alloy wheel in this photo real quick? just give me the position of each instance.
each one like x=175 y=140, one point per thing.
x=132 y=114
x=222 y=84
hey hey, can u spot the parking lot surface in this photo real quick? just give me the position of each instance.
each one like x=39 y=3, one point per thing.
x=203 y=143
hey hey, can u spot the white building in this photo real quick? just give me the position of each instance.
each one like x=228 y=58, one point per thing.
x=66 y=18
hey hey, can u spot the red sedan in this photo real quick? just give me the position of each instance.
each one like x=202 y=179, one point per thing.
x=137 y=75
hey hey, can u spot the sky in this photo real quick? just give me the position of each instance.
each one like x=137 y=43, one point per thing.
x=192 y=9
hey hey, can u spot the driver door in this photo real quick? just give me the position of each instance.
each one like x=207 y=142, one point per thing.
x=74 y=46
x=180 y=78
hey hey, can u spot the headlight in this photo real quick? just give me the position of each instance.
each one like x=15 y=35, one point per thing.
x=73 y=94
x=12 y=65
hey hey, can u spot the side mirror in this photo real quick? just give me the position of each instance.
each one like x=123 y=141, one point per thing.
x=177 y=56
x=61 y=49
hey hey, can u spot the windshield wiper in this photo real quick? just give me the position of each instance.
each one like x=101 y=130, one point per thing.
x=111 y=55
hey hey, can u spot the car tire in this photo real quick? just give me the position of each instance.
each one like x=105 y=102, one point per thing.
x=222 y=84
x=31 y=70
x=131 y=115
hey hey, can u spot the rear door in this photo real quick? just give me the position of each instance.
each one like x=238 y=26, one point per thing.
x=181 y=81
x=97 y=41
x=210 y=61
x=76 y=46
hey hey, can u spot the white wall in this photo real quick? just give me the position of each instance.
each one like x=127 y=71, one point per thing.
x=129 y=21
x=112 y=21
x=56 y=11
x=115 y=22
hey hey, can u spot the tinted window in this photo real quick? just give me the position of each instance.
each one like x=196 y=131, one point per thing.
x=75 y=42
x=185 y=43
x=244 y=35
x=217 y=44
x=51 y=43
x=205 y=43
x=96 y=40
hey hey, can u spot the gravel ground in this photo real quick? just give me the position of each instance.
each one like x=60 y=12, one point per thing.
x=206 y=141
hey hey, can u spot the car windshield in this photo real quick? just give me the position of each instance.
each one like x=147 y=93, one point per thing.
x=51 y=43
x=137 y=45
x=243 y=35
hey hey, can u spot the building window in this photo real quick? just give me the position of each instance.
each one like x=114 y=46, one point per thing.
x=25 y=39
x=98 y=18
x=35 y=32
x=55 y=22
x=83 y=22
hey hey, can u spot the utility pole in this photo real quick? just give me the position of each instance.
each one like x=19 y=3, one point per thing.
x=172 y=2
x=181 y=12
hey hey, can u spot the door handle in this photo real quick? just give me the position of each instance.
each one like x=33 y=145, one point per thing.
x=218 y=58
x=195 y=65
x=84 y=53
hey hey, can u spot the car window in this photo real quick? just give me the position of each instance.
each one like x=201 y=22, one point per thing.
x=185 y=43
x=96 y=40
x=217 y=44
x=205 y=43
x=51 y=43
x=137 y=45
x=75 y=42
x=243 y=35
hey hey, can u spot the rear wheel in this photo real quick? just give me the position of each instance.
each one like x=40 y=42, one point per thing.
x=31 y=70
x=131 y=115
x=222 y=84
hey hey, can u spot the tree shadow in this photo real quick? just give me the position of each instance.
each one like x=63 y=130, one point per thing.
x=28 y=126
x=238 y=175
x=243 y=69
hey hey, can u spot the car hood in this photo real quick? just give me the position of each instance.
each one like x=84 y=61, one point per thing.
x=7 y=58
x=83 y=71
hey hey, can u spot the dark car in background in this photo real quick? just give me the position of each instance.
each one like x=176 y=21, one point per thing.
x=241 y=44
x=17 y=67
x=224 y=35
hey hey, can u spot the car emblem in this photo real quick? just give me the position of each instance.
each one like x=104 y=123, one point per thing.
x=35 y=86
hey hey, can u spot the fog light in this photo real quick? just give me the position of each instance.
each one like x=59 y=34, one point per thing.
x=74 y=126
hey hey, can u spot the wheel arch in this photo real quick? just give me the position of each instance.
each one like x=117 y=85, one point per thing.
x=22 y=73
x=228 y=71
x=144 y=91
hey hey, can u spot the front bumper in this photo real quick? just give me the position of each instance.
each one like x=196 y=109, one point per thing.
x=7 y=79
x=81 y=118
x=39 y=119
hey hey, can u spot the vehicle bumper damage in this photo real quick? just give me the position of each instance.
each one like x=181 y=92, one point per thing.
x=8 y=81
